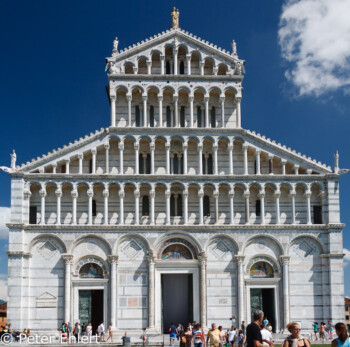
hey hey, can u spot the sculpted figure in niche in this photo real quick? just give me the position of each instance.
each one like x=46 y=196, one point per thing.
x=175 y=18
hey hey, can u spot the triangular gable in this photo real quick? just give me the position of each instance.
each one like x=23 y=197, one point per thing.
x=45 y=296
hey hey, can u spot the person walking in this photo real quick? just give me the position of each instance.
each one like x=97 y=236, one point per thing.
x=76 y=332
x=232 y=335
x=89 y=329
x=223 y=336
x=101 y=332
x=322 y=331
x=254 y=338
x=266 y=336
x=240 y=338
x=110 y=332
x=83 y=329
x=187 y=337
x=198 y=335
x=342 y=340
x=214 y=336
x=172 y=332
x=315 y=326
x=295 y=339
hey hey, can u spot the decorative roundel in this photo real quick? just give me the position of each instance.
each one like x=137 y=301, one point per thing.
x=91 y=246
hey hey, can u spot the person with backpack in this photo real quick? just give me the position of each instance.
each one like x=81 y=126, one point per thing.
x=295 y=339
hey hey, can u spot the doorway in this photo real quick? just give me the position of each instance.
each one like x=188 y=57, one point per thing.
x=91 y=308
x=264 y=299
x=177 y=300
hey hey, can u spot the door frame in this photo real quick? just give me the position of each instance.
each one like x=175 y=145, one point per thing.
x=89 y=285
x=176 y=268
x=258 y=285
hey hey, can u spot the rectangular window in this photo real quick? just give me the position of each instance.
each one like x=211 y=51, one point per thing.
x=346 y=317
x=32 y=214
x=94 y=208
x=317 y=214
x=63 y=168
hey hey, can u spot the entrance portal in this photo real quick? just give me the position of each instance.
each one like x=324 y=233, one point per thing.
x=177 y=300
x=264 y=299
x=91 y=307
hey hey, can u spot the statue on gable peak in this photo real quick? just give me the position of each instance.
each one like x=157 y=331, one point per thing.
x=175 y=18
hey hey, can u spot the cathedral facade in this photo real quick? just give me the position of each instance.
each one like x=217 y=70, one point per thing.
x=174 y=212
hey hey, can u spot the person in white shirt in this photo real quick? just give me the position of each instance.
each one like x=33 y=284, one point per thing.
x=231 y=335
x=266 y=336
x=101 y=332
x=89 y=330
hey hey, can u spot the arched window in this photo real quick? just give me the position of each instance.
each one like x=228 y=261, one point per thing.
x=167 y=67
x=182 y=68
x=168 y=116
x=182 y=116
x=145 y=205
x=178 y=167
x=176 y=252
x=129 y=70
x=258 y=208
x=94 y=208
x=206 y=206
x=151 y=116
x=90 y=166
x=176 y=205
x=199 y=117
x=213 y=117
x=137 y=116
x=207 y=163
x=261 y=269
x=144 y=163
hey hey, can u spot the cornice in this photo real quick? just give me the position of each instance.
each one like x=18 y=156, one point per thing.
x=174 y=78
x=18 y=254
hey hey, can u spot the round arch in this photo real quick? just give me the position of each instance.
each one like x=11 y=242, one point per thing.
x=93 y=236
x=263 y=236
x=46 y=236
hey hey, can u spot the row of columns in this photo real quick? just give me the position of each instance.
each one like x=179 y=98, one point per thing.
x=246 y=194
x=151 y=259
x=168 y=155
x=146 y=122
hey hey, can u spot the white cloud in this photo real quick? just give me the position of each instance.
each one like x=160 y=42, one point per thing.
x=346 y=256
x=314 y=36
x=3 y=287
x=5 y=213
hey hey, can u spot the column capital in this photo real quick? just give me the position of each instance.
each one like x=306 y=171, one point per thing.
x=188 y=56
x=307 y=193
x=292 y=193
x=93 y=151
x=106 y=146
x=151 y=258
x=245 y=145
x=160 y=97
x=27 y=194
x=238 y=99
x=309 y=171
x=216 y=194
x=136 y=146
x=175 y=97
x=136 y=193
x=90 y=193
x=167 y=146
x=206 y=98
x=58 y=192
x=191 y=97
x=222 y=98
x=113 y=98
x=239 y=259
x=168 y=193
x=246 y=194
x=149 y=63
x=74 y=193
x=231 y=193
x=121 y=146
x=68 y=258
x=257 y=151
x=105 y=193
x=215 y=146
x=67 y=160
x=144 y=97
x=185 y=193
x=203 y=258
x=284 y=259
x=230 y=146
x=261 y=194
x=277 y=194
x=152 y=193
x=152 y=146
x=201 y=193
x=201 y=63
x=42 y=192
x=162 y=56
x=200 y=146
x=121 y=193
x=185 y=145
x=283 y=161
x=128 y=96
x=55 y=164
x=113 y=259
x=81 y=156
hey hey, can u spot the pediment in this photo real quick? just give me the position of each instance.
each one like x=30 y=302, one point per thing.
x=46 y=296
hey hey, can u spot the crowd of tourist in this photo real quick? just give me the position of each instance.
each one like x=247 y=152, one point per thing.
x=15 y=334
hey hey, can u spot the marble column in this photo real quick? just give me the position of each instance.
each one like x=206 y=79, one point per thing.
x=105 y=203
x=129 y=98
x=270 y=156
x=206 y=100
x=145 y=121
x=113 y=100
x=245 y=158
x=114 y=260
x=121 y=157
x=152 y=195
x=232 y=210
x=160 y=109
x=176 y=100
x=200 y=158
x=257 y=159
x=43 y=194
x=54 y=167
x=93 y=154
x=292 y=195
x=67 y=165
x=308 y=206
x=188 y=62
x=247 y=212
x=240 y=297
x=137 y=206
x=106 y=145
x=201 y=66
x=215 y=149
x=185 y=196
x=68 y=261
x=185 y=147
x=90 y=194
x=175 y=51
x=121 y=202
x=151 y=307
x=278 y=214
x=162 y=58
x=74 y=194
x=200 y=196
x=262 y=206
x=230 y=157
x=191 y=98
x=203 y=289
x=149 y=67
x=323 y=196
x=58 y=193
x=136 y=148
x=284 y=259
x=283 y=162
x=80 y=157
x=167 y=196
x=152 y=147
x=222 y=101
x=296 y=169
x=238 y=109
x=216 y=198
x=167 y=149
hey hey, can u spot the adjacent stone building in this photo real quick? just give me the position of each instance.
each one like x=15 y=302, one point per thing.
x=174 y=212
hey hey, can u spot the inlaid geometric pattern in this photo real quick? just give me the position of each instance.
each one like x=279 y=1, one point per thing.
x=305 y=249
x=132 y=249
x=47 y=250
x=220 y=250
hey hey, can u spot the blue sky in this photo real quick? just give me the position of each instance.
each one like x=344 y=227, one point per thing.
x=296 y=87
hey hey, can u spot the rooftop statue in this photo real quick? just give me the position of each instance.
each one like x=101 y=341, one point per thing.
x=115 y=47
x=13 y=159
x=175 y=18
